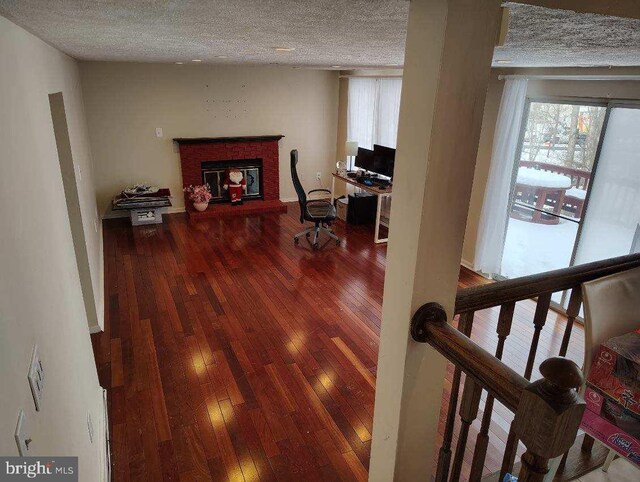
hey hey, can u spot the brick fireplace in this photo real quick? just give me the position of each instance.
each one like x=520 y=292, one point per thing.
x=200 y=158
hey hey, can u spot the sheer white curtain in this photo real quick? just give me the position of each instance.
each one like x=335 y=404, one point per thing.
x=495 y=215
x=373 y=110
x=388 y=112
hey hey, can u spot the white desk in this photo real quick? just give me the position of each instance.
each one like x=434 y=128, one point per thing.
x=378 y=191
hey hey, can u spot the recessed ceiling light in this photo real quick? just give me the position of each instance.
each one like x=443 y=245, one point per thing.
x=284 y=49
x=196 y=60
x=179 y=63
x=335 y=66
x=504 y=61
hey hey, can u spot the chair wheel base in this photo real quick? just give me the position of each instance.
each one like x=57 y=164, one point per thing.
x=316 y=232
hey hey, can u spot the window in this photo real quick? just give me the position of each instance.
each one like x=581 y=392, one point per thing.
x=373 y=109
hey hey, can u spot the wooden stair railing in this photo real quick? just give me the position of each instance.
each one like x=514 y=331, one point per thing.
x=547 y=412
x=487 y=372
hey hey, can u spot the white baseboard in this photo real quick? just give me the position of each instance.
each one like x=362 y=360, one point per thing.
x=95 y=329
x=467 y=264
x=106 y=448
x=295 y=199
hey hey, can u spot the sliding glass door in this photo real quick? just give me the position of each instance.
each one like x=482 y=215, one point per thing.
x=575 y=195
x=551 y=182
x=612 y=222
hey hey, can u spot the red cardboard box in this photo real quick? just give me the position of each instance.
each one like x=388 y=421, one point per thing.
x=597 y=422
x=612 y=396
x=615 y=370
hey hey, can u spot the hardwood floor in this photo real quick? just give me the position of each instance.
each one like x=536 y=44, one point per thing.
x=229 y=353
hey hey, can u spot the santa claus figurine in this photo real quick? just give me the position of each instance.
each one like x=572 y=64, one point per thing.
x=236 y=185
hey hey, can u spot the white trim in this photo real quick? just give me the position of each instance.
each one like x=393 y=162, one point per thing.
x=570 y=77
x=467 y=264
x=295 y=199
x=373 y=76
x=106 y=452
x=95 y=329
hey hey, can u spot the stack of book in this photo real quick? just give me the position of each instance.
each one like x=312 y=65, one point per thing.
x=128 y=200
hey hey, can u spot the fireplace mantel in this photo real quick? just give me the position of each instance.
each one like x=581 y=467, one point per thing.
x=211 y=140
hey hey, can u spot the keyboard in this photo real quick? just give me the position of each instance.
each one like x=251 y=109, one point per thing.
x=372 y=181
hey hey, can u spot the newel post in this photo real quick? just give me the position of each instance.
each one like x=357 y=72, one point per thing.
x=548 y=416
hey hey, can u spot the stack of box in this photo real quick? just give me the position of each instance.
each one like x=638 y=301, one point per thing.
x=612 y=415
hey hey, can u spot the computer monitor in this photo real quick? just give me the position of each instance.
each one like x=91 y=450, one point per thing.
x=365 y=159
x=384 y=160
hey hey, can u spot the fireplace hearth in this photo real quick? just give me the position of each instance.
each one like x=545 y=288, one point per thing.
x=206 y=160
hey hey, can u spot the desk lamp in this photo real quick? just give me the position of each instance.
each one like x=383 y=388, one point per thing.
x=350 y=150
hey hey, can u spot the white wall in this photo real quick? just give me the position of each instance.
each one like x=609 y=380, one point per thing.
x=40 y=295
x=125 y=102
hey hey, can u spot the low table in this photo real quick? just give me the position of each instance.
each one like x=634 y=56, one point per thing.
x=540 y=188
x=143 y=208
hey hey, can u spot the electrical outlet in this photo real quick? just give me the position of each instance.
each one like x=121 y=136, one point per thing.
x=36 y=377
x=158 y=132
x=22 y=439
x=79 y=172
x=90 y=427
x=318 y=175
x=95 y=225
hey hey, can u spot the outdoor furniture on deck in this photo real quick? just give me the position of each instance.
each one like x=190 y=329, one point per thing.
x=574 y=201
x=580 y=178
x=540 y=189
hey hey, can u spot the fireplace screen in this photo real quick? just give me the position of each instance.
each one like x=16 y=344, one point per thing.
x=214 y=174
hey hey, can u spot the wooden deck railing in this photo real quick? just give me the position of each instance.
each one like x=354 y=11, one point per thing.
x=579 y=177
x=529 y=402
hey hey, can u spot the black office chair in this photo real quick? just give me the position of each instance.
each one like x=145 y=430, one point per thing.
x=319 y=212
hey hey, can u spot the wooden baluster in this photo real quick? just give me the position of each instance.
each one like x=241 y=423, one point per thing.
x=468 y=413
x=548 y=416
x=503 y=329
x=539 y=320
x=465 y=324
x=510 y=451
x=573 y=310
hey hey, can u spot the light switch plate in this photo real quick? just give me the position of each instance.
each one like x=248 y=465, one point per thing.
x=22 y=439
x=36 y=377
x=158 y=131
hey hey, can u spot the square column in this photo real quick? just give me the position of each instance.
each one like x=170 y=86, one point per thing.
x=446 y=71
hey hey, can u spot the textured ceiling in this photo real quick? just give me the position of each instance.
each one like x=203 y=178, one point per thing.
x=324 y=33
x=545 y=37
